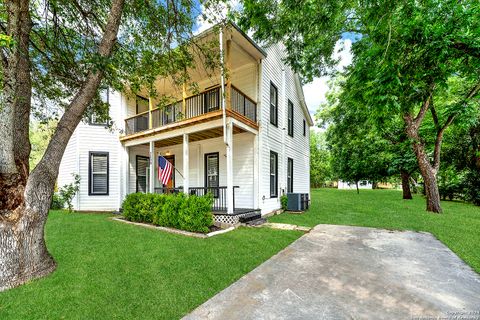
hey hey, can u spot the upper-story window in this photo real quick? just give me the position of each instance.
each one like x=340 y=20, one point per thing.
x=290 y=118
x=273 y=104
x=141 y=122
x=304 y=127
x=98 y=119
x=141 y=104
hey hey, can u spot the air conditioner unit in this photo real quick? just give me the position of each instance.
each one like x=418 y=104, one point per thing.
x=297 y=201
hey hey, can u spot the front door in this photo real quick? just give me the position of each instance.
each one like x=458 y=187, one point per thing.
x=212 y=172
x=171 y=182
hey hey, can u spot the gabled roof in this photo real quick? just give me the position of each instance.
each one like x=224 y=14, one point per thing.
x=262 y=54
x=301 y=97
x=239 y=36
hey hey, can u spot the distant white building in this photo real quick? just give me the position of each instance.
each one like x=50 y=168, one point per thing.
x=363 y=184
x=266 y=152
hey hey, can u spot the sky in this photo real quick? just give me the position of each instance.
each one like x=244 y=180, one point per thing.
x=316 y=90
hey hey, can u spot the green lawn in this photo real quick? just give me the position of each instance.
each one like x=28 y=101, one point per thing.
x=458 y=226
x=108 y=269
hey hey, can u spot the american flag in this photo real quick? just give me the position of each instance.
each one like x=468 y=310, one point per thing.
x=165 y=169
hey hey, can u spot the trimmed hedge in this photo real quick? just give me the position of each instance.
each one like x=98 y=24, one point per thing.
x=191 y=213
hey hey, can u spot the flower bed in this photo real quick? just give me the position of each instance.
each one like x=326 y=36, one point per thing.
x=190 y=213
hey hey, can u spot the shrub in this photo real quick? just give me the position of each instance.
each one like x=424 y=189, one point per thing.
x=450 y=184
x=472 y=186
x=142 y=207
x=195 y=214
x=57 y=202
x=68 y=191
x=284 y=201
x=179 y=211
x=167 y=216
x=65 y=194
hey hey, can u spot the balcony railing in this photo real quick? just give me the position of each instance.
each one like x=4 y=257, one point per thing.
x=138 y=123
x=243 y=104
x=196 y=105
x=219 y=194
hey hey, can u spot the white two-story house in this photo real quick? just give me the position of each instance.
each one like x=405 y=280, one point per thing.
x=246 y=142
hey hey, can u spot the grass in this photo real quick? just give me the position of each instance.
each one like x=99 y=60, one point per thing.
x=458 y=226
x=108 y=269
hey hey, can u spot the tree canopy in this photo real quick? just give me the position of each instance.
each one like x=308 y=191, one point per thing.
x=412 y=60
x=54 y=57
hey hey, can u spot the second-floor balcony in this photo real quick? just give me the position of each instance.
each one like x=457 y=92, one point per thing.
x=195 y=106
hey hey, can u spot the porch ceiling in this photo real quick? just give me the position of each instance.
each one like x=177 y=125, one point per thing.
x=243 y=52
x=197 y=136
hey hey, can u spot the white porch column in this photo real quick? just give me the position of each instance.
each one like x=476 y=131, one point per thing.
x=151 y=186
x=124 y=174
x=229 y=147
x=256 y=174
x=186 y=162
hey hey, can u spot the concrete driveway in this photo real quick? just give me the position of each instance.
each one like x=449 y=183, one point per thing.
x=341 y=272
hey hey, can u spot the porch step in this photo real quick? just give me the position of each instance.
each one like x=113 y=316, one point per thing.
x=251 y=216
x=256 y=222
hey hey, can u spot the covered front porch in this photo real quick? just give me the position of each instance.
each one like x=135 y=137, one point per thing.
x=205 y=161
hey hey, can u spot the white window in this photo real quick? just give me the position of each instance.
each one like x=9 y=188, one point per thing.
x=98 y=173
x=101 y=120
x=290 y=175
x=273 y=104
x=141 y=172
x=273 y=174
x=290 y=118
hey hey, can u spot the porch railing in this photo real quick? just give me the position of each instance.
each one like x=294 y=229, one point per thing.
x=196 y=105
x=219 y=194
x=165 y=190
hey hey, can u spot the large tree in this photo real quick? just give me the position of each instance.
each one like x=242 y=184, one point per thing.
x=407 y=56
x=320 y=161
x=364 y=147
x=358 y=152
x=58 y=54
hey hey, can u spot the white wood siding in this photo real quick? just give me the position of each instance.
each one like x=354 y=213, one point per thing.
x=88 y=138
x=242 y=164
x=95 y=138
x=276 y=138
x=68 y=165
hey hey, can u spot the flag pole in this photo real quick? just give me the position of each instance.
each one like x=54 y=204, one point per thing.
x=173 y=167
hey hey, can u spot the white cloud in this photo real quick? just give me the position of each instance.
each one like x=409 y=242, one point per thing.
x=315 y=91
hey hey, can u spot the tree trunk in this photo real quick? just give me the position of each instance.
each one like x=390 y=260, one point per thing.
x=429 y=175
x=427 y=170
x=25 y=200
x=23 y=252
x=407 y=194
x=356 y=185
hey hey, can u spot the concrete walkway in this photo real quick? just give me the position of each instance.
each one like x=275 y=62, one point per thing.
x=341 y=272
